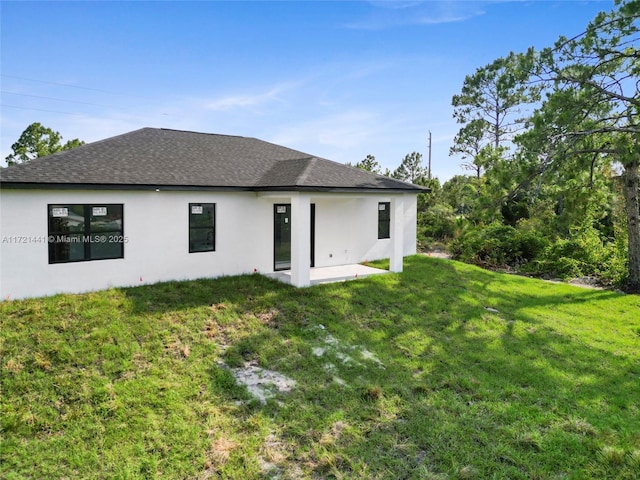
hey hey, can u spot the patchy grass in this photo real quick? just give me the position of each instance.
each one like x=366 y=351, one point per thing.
x=445 y=371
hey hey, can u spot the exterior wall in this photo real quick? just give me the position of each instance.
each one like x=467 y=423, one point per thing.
x=353 y=221
x=156 y=227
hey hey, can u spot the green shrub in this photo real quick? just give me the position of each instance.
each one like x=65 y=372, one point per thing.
x=563 y=267
x=530 y=244
x=585 y=253
x=437 y=223
x=498 y=245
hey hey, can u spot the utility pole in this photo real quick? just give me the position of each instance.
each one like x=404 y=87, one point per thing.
x=429 y=169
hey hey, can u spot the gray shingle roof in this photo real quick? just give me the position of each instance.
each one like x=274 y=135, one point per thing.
x=152 y=158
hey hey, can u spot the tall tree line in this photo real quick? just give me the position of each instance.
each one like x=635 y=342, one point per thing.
x=554 y=133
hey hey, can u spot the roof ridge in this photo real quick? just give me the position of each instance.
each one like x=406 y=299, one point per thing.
x=307 y=169
x=197 y=133
x=305 y=154
x=378 y=175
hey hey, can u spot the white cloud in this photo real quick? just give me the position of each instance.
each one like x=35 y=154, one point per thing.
x=398 y=14
x=338 y=130
x=250 y=101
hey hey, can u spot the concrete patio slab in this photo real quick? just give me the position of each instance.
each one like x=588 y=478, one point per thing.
x=338 y=273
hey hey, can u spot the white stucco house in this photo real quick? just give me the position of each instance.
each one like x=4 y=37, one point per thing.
x=155 y=205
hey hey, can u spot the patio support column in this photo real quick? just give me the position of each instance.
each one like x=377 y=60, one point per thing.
x=300 y=239
x=397 y=233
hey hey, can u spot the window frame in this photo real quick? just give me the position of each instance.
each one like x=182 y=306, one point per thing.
x=211 y=227
x=384 y=220
x=86 y=234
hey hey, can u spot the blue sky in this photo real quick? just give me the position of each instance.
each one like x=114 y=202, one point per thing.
x=335 y=79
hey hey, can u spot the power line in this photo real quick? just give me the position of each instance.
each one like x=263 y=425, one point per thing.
x=38 y=109
x=70 y=85
x=54 y=98
x=54 y=111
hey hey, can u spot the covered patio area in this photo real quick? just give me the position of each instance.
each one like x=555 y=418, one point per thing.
x=295 y=244
x=340 y=273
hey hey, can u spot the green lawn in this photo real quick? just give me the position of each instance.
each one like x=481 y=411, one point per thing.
x=444 y=371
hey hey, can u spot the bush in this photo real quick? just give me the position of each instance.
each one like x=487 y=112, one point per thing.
x=584 y=254
x=530 y=244
x=437 y=223
x=498 y=245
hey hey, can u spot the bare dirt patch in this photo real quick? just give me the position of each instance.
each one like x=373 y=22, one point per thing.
x=348 y=355
x=438 y=253
x=262 y=383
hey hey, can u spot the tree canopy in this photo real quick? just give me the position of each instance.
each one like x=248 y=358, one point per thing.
x=591 y=114
x=368 y=164
x=553 y=139
x=37 y=141
x=411 y=169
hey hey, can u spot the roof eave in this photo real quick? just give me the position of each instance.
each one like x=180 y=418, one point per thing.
x=221 y=188
x=114 y=186
x=297 y=188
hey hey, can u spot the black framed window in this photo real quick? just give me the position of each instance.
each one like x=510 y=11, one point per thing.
x=384 y=219
x=83 y=232
x=202 y=227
